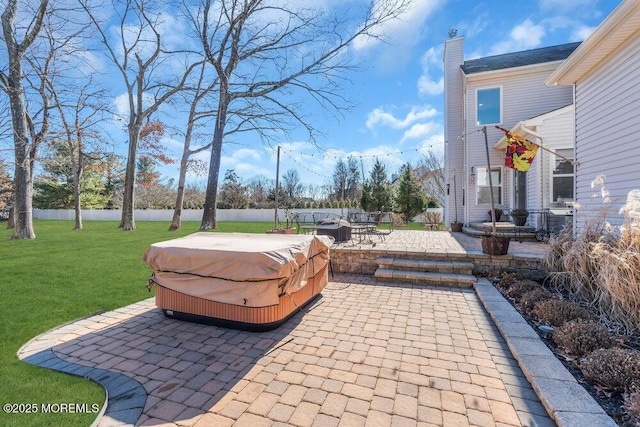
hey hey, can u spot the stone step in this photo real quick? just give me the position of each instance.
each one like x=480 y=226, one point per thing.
x=426 y=278
x=520 y=234
x=501 y=227
x=459 y=267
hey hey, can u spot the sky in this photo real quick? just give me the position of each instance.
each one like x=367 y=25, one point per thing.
x=398 y=99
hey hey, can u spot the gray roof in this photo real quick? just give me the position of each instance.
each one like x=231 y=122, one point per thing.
x=519 y=59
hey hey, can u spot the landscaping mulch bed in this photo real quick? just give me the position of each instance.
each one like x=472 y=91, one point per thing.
x=613 y=404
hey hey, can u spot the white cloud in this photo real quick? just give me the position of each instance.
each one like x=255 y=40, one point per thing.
x=526 y=35
x=581 y=32
x=419 y=131
x=380 y=117
x=559 y=6
x=431 y=64
x=394 y=38
x=239 y=156
x=435 y=143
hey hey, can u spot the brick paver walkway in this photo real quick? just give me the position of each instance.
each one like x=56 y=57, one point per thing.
x=365 y=353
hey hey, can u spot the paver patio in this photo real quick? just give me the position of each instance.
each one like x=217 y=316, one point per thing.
x=363 y=353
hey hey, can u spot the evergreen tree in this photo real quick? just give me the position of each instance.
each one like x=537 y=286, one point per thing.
x=409 y=198
x=376 y=193
x=54 y=188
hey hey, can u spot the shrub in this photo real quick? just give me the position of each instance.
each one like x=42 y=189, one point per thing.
x=581 y=338
x=601 y=264
x=632 y=405
x=558 y=312
x=507 y=279
x=615 y=368
x=521 y=287
x=534 y=296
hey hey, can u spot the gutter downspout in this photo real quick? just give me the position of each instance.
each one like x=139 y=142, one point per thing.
x=465 y=169
x=575 y=164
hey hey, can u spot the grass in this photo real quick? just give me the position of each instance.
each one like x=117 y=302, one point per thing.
x=60 y=276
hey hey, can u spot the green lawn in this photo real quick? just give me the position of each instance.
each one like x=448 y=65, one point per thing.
x=60 y=276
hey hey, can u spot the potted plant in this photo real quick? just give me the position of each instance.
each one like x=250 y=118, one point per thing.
x=519 y=216
x=497 y=212
x=287 y=229
x=494 y=244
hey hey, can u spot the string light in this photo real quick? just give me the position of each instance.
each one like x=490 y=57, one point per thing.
x=292 y=155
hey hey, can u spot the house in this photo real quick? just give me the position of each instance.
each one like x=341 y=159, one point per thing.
x=604 y=75
x=548 y=186
x=508 y=91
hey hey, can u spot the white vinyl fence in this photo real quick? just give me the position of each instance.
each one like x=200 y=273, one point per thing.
x=222 y=215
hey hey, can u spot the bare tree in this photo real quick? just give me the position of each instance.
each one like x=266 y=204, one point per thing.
x=12 y=81
x=292 y=187
x=430 y=172
x=267 y=55
x=80 y=104
x=138 y=53
x=314 y=191
x=198 y=95
x=259 y=187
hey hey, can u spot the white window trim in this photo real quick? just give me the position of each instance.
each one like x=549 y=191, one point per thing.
x=493 y=168
x=552 y=166
x=501 y=104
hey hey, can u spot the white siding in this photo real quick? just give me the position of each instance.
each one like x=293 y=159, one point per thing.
x=454 y=126
x=524 y=96
x=557 y=132
x=607 y=132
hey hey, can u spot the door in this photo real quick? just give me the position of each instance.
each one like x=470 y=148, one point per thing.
x=520 y=190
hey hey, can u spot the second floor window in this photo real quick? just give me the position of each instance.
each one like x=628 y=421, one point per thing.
x=489 y=106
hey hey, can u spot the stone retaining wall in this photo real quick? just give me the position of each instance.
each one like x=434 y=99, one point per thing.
x=363 y=261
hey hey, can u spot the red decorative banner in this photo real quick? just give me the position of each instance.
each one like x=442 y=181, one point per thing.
x=520 y=152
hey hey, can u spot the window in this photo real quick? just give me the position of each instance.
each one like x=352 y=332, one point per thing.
x=488 y=108
x=562 y=178
x=484 y=195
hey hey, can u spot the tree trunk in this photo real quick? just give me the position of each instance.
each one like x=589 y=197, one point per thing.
x=23 y=180
x=23 y=177
x=24 y=195
x=11 y=222
x=76 y=192
x=176 y=222
x=128 y=203
x=209 y=215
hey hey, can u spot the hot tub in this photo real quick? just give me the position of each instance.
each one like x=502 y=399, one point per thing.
x=242 y=281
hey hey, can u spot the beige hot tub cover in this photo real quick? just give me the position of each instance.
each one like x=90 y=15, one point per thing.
x=251 y=270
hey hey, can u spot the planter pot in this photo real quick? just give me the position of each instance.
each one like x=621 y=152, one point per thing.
x=495 y=245
x=519 y=220
x=498 y=213
x=456 y=226
x=282 y=231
